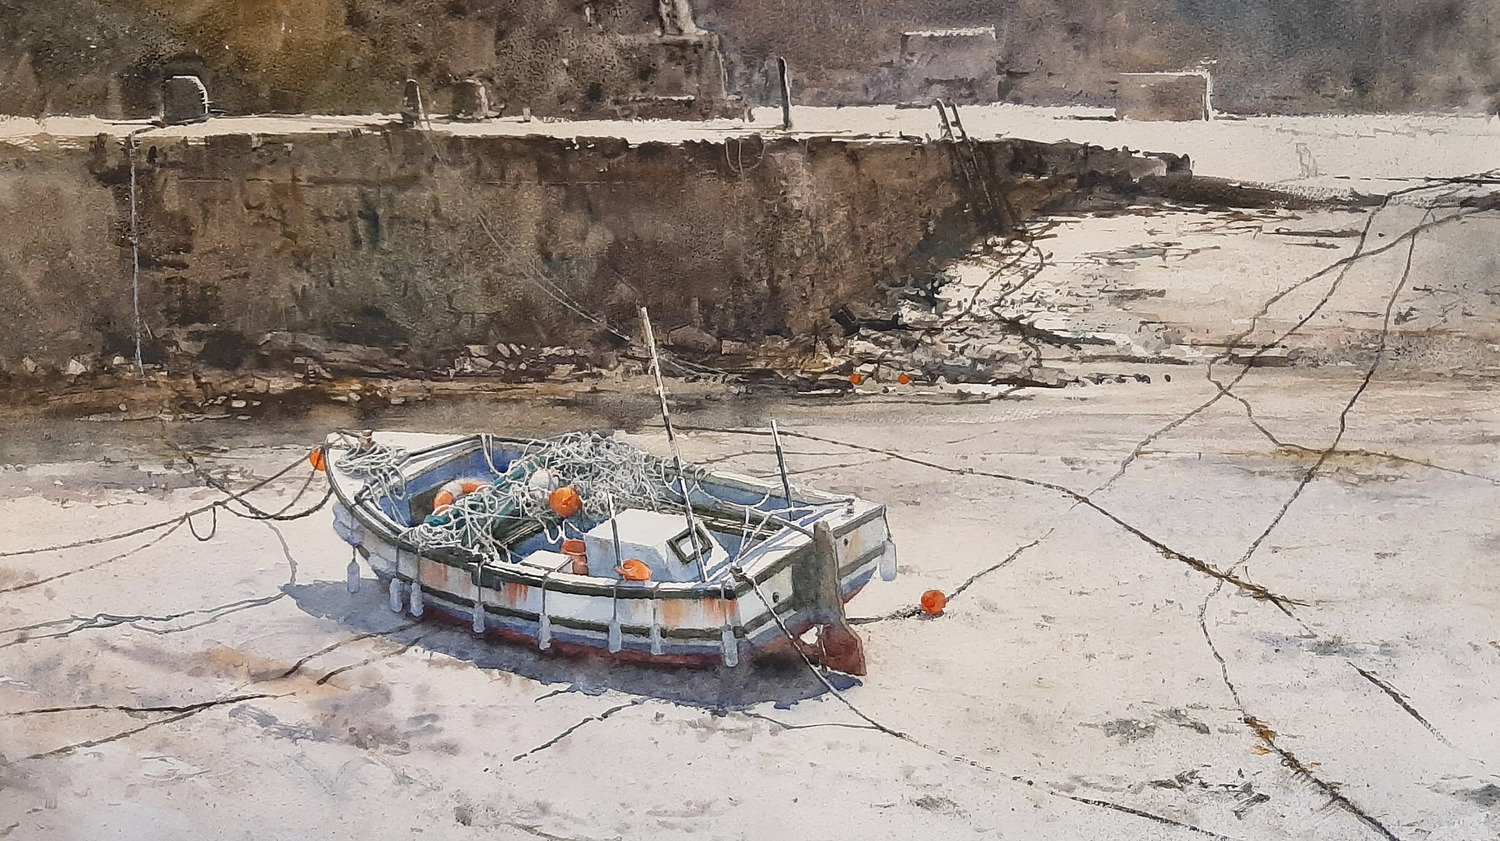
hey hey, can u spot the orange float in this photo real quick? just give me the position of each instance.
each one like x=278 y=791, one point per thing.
x=634 y=570
x=933 y=602
x=317 y=459
x=857 y=378
x=565 y=501
x=904 y=379
x=577 y=552
x=452 y=491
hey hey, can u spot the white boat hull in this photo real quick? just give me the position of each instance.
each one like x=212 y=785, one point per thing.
x=756 y=613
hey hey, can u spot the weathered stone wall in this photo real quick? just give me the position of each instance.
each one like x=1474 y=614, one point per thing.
x=959 y=65
x=609 y=56
x=601 y=58
x=63 y=284
x=419 y=242
x=1165 y=96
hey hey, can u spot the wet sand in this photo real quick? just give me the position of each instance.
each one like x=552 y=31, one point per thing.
x=1094 y=675
x=1071 y=690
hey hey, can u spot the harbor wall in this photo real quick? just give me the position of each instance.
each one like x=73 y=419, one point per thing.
x=420 y=242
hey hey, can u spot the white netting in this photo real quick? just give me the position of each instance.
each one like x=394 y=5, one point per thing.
x=599 y=468
x=380 y=468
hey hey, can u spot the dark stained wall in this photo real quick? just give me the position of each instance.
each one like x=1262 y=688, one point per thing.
x=1276 y=56
x=585 y=57
x=420 y=244
x=619 y=58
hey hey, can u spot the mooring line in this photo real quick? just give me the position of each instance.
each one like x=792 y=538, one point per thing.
x=178 y=519
x=1079 y=498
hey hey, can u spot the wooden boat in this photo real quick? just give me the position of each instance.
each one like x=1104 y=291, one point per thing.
x=767 y=575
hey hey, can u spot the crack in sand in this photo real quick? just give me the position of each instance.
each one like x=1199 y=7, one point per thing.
x=1268 y=736
x=104 y=621
x=811 y=726
x=1262 y=731
x=1323 y=457
x=1143 y=814
x=1364 y=384
x=537 y=832
x=1401 y=701
x=569 y=731
x=1223 y=390
x=367 y=661
x=1356 y=453
x=1078 y=497
x=1342 y=265
x=120 y=557
x=165 y=708
x=297 y=666
x=182 y=712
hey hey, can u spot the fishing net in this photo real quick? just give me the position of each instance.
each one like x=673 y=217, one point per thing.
x=601 y=469
x=379 y=467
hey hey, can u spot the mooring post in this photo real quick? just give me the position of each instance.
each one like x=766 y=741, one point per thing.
x=786 y=94
x=412 y=112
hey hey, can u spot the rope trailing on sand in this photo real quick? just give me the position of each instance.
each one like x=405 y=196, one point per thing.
x=1166 y=551
x=886 y=729
x=185 y=517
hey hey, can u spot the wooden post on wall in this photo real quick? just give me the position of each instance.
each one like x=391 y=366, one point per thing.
x=786 y=94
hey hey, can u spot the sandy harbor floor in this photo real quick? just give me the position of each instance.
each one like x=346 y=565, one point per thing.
x=1105 y=668
x=1082 y=684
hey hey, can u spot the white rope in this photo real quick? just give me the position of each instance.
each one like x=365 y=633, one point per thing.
x=597 y=467
x=380 y=468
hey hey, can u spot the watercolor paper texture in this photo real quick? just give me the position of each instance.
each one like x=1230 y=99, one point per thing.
x=1086 y=412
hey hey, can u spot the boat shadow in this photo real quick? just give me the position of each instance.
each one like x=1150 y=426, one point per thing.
x=367 y=612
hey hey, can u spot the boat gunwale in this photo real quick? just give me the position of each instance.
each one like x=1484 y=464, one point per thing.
x=363 y=508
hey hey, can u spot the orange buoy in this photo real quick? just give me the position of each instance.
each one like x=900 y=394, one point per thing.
x=318 y=460
x=933 y=602
x=904 y=379
x=577 y=552
x=453 y=490
x=857 y=378
x=634 y=570
x=565 y=501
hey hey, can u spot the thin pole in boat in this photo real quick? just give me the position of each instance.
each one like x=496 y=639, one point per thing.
x=666 y=419
x=615 y=639
x=786 y=484
x=614 y=527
